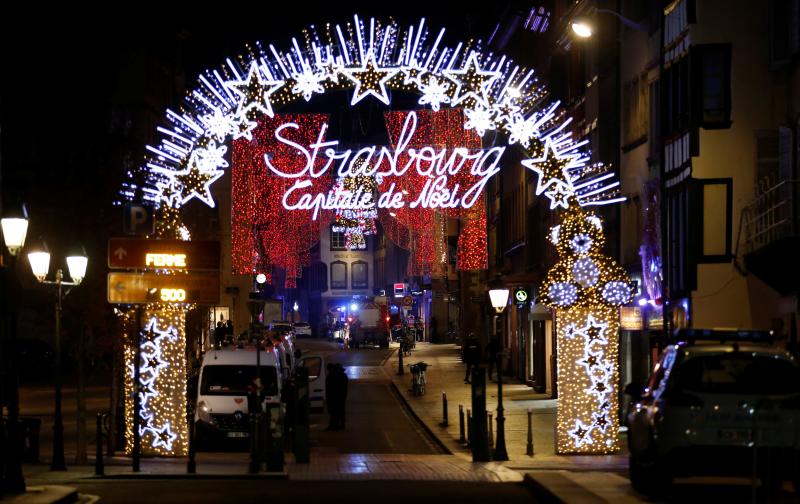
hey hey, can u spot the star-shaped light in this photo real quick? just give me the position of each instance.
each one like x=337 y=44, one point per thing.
x=601 y=421
x=593 y=331
x=471 y=81
x=412 y=73
x=254 y=92
x=551 y=167
x=330 y=69
x=581 y=434
x=370 y=79
x=169 y=193
x=163 y=437
x=243 y=128
x=559 y=196
x=196 y=183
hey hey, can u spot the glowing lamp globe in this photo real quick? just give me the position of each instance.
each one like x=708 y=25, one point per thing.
x=77 y=267
x=353 y=307
x=40 y=264
x=581 y=28
x=261 y=278
x=14 y=231
x=499 y=299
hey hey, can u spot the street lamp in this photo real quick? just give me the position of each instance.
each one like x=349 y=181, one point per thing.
x=498 y=295
x=15 y=228
x=40 y=265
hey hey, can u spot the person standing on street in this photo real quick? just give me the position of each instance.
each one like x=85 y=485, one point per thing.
x=472 y=355
x=492 y=349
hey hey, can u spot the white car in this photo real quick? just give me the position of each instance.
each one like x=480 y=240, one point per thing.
x=302 y=329
x=718 y=408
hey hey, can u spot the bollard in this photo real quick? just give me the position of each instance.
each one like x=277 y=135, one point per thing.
x=461 y=438
x=529 y=449
x=400 y=369
x=491 y=431
x=255 y=452
x=99 y=470
x=191 y=464
x=469 y=426
x=444 y=409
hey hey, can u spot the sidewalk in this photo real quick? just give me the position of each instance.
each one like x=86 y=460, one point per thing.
x=446 y=374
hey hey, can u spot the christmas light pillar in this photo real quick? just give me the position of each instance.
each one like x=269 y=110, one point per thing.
x=586 y=288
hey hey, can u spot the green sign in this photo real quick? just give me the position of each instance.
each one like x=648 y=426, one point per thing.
x=521 y=296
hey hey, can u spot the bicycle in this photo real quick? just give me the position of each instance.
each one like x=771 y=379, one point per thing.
x=418 y=378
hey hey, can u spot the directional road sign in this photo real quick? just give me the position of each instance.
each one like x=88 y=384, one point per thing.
x=137 y=288
x=135 y=253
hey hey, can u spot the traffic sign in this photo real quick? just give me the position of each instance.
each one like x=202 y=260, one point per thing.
x=139 y=253
x=138 y=219
x=521 y=296
x=138 y=288
x=408 y=301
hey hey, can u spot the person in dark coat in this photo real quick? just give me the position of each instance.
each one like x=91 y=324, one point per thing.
x=341 y=385
x=472 y=355
x=332 y=396
x=492 y=349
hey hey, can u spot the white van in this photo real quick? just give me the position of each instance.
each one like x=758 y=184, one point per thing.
x=222 y=409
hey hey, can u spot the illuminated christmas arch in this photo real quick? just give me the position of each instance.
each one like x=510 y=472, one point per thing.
x=372 y=60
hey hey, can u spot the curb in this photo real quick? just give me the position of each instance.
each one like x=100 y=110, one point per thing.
x=46 y=494
x=438 y=442
x=388 y=356
x=211 y=476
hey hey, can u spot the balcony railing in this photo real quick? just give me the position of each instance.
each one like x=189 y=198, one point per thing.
x=771 y=216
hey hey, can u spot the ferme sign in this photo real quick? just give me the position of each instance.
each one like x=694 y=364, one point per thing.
x=133 y=253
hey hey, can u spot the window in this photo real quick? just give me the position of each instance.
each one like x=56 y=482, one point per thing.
x=360 y=273
x=636 y=107
x=314 y=366
x=784 y=31
x=715 y=202
x=338 y=275
x=337 y=240
x=711 y=86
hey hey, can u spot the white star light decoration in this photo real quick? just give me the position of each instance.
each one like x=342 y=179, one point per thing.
x=471 y=81
x=152 y=365
x=254 y=92
x=557 y=178
x=196 y=183
x=370 y=80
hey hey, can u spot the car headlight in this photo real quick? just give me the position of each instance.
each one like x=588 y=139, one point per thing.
x=204 y=412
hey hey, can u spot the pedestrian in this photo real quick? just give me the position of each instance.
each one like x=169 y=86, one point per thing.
x=332 y=396
x=342 y=395
x=492 y=349
x=219 y=335
x=472 y=357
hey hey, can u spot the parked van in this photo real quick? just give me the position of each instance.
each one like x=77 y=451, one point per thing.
x=225 y=375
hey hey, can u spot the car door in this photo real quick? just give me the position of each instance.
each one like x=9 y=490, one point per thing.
x=316 y=380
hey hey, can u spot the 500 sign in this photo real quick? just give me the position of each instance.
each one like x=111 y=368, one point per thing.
x=173 y=295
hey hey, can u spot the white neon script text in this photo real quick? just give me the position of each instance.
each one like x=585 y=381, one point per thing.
x=383 y=163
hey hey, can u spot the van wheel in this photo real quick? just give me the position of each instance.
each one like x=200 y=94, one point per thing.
x=649 y=474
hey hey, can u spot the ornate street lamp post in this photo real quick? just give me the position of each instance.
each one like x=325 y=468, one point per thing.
x=15 y=228
x=40 y=265
x=499 y=299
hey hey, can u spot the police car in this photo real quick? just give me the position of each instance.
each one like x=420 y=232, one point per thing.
x=717 y=403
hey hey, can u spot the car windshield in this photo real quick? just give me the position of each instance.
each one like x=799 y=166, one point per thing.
x=234 y=380
x=301 y=324
x=739 y=373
